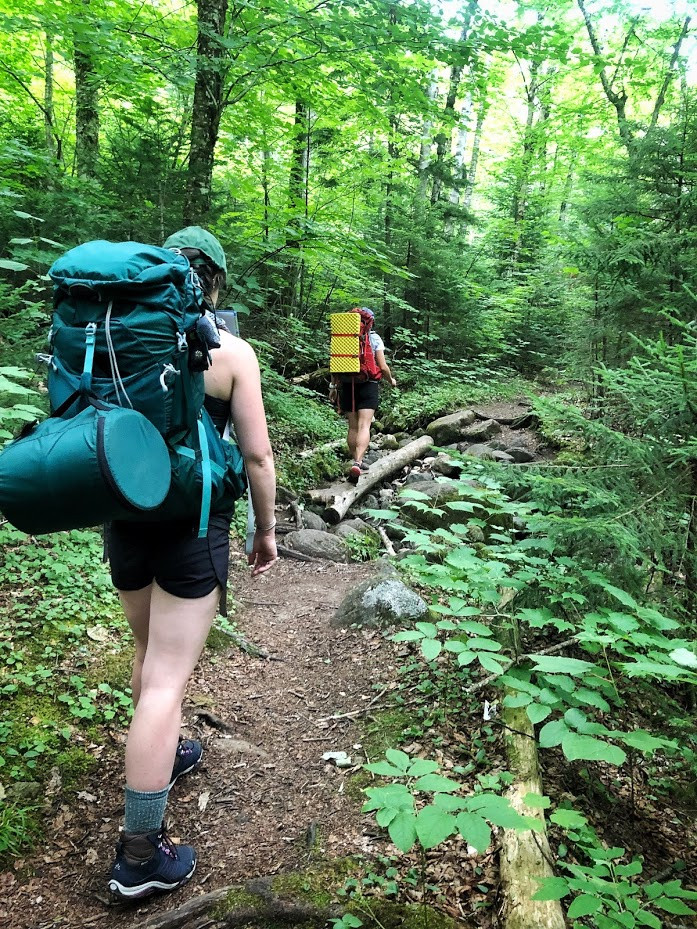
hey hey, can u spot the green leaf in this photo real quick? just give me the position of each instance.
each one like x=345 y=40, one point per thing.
x=399 y=759
x=684 y=657
x=428 y=629
x=551 y=888
x=584 y=747
x=537 y=801
x=569 y=819
x=553 y=664
x=402 y=831
x=434 y=826
x=422 y=766
x=7 y=265
x=671 y=905
x=537 y=712
x=648 y=919
x=23 y=215
x=490 y=663
x=430 y=649
x=21 y=241
x=436 y=783
x=553 y=733
x=409 y=635
x=474 y=830
x=383 y=768
x=584 y=905
x=642 y=740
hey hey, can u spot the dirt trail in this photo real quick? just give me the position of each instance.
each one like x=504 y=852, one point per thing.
x=254 y=809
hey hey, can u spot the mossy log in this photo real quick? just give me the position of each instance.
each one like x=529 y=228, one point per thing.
x=525 y=856
x=340 y=497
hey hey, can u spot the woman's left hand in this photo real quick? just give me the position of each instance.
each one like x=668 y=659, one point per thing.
x=264 y=553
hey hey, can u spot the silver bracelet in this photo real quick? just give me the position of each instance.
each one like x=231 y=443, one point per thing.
x=267 y=529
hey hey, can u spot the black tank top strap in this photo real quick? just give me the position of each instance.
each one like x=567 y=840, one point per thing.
x=219 y=411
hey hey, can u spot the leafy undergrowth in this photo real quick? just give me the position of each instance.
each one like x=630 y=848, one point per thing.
x=604 y=673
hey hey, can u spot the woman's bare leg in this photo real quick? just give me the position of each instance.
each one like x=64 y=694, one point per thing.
x=176 y=633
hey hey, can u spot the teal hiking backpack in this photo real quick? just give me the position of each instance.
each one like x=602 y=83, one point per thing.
x=129 y=334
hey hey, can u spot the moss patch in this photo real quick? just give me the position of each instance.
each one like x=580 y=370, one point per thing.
x=383 y=914
x=316 y=885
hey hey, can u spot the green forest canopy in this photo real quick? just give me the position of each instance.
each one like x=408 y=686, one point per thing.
x=501 y=181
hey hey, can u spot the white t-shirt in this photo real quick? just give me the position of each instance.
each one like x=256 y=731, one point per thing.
x=376 y=342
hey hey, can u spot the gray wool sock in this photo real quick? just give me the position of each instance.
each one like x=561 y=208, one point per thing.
x=145 y=810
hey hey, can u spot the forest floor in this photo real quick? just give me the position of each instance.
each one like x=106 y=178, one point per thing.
x=265 y=803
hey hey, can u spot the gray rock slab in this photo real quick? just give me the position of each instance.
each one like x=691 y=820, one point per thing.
x=418 y=477
x=450 y=428
x=520 y=454
x=313 y=521
x=443 y=464
x=350 y=527
x=318 y=544
x=481 y=431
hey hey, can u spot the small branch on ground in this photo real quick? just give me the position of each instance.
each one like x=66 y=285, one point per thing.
x=389 y=547
x=326 y=719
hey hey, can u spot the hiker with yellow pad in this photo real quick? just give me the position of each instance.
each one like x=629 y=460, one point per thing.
x=357 y=365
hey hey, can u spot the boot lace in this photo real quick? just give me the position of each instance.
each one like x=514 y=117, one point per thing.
x=166 y=845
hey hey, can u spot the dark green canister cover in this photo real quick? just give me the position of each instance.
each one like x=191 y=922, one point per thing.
x=102 y=464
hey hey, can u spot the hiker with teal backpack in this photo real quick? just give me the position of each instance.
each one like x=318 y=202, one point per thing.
x=142 y=382
x=169 y=582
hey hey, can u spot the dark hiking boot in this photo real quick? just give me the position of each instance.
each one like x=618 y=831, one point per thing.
x=148 y=863
x=189 y=756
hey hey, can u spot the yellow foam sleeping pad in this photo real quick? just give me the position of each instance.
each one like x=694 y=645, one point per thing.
x=345 y=346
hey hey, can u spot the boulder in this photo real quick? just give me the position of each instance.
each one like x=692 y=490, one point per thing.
x=350 y=527
x=450 y=428
x=371 y=456
x=370 y=502
x=437 y=492
x=444 y=464
x=313 y=521
x=380 y=601
x=318 y=544
x=418 y=477
x=389 y=443
x=481 y=431
x=385 y=496
x=520 y=454
x=479 y=450
x=502 y=457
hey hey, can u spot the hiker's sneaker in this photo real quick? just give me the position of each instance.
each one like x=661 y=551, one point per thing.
x=354 y=472
x=148 y=863
x=188 y=757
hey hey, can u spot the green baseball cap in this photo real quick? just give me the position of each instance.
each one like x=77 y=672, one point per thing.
x=204 y=241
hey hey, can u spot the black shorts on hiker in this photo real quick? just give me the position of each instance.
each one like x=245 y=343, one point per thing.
x=171 y=554
x=365 y=394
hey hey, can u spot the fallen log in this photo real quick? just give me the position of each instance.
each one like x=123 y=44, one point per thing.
x=525 y=856
x=310 y=376
x=341 y=496
x=309 y=452
x=258 y=906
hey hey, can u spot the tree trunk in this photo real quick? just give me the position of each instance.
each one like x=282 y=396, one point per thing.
x=86 y=101
x=48 y=99
x=474 y=157
x=459 y=171
x=297 y=200
x=208 y=108
x=525 y=856
x=425 y=150
x=444 y=138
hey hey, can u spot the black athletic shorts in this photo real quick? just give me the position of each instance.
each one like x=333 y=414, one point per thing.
x=171 y=554
x=358 y=395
